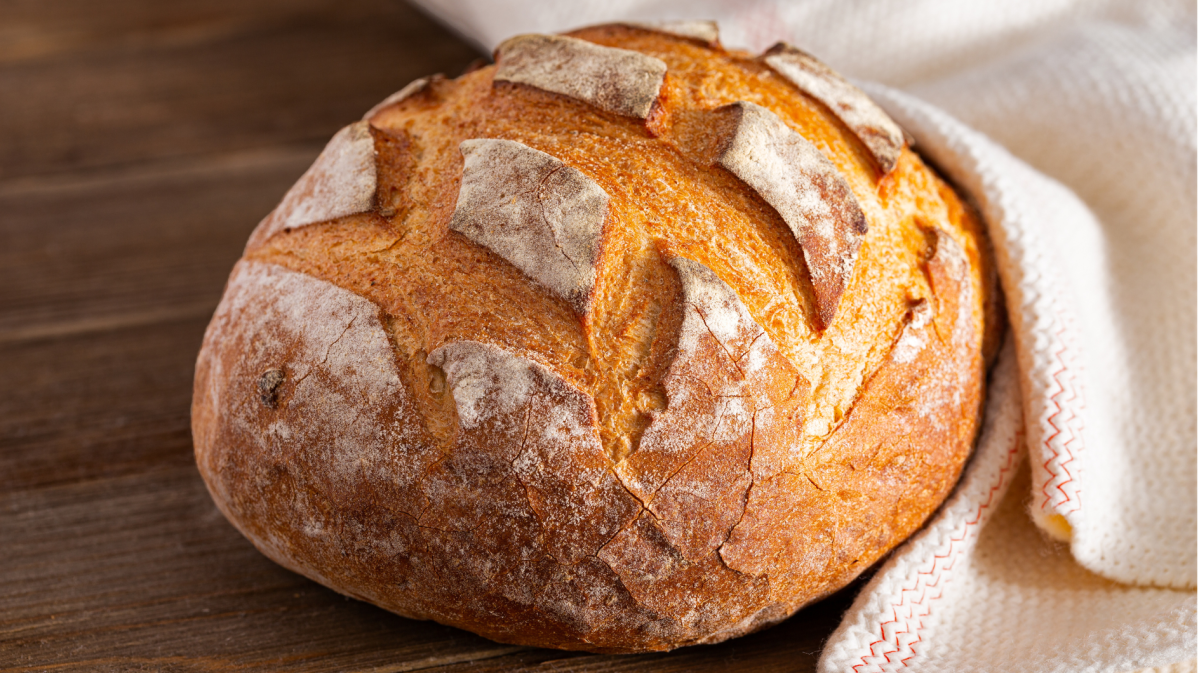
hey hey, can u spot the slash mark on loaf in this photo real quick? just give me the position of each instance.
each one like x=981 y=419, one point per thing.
x=806 y=190
x=616 y=80
x=874 y=127
x=341 y=182
x=542 y=216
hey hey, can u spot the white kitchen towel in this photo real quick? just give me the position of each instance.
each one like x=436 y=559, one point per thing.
x=980 y=589
x=1072 y=124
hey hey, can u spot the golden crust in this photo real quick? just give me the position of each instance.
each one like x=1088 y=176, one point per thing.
x=398 y=411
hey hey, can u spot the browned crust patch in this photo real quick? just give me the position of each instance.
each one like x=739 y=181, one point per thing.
x=808 y=192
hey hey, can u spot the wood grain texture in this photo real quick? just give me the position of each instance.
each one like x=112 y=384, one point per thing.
x=131 y=245
x=256 y=79
x=140 y=143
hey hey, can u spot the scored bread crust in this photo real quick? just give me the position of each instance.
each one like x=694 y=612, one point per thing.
x=548 y=353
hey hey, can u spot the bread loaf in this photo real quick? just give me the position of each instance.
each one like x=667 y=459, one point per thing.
x=625 y=343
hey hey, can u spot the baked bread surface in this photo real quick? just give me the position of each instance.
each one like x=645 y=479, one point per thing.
x=608 y=355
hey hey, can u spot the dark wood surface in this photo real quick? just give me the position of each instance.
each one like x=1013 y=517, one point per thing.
x=140 y=142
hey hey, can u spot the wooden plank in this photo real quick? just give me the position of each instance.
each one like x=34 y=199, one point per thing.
x=130 y=247
x=138 y=572
x=30 y=31
x=251 y=82
x=99 y=405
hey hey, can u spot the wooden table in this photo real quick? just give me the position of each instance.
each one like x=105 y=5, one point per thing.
x=140 y=142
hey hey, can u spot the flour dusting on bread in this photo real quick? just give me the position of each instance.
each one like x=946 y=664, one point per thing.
x=542 y=216
x=958 y=327
x=874 y=127
x=484 y=380
x=914 y=336
x=559 y=458
x=704 y=31
x=616 y=80
x=804 y=187
x=340 y=183
x=411 y=89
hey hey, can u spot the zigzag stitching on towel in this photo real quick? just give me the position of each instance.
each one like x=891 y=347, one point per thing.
x=1063 y=419
x=1046 y=311
x=1061 y=397
x=936 y=573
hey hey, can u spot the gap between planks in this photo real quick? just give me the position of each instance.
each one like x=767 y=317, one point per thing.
x=291 y=158
x=444 y=660
x=300 y=155
x=107 y=323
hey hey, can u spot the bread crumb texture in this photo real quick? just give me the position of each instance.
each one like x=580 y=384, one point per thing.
x=627 y=343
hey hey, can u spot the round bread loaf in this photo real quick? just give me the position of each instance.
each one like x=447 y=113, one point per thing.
x=624 y=343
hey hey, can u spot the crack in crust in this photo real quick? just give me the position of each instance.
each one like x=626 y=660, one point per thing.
x=696 y=462
x=874 y=127
x=806 y=190
x=616 y=80
x=557 y=453
x=553 y=232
